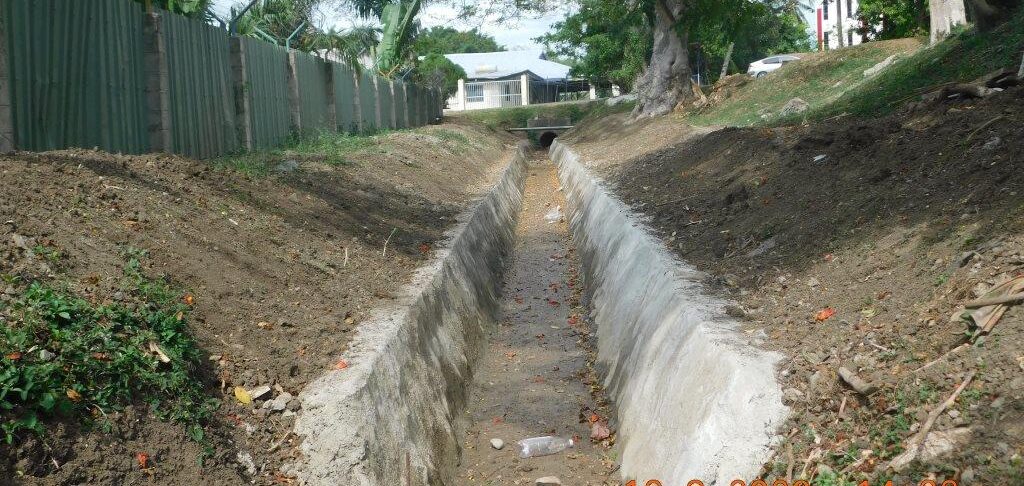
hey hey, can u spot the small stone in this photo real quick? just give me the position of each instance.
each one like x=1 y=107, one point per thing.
x=526 y=468
x=259 y=392
x=999 y=402
x=294 y=405
x=548 y=481
x=497 y=444
x=46 y=355
x=794 y=106
x=953 y=413
x=992 y=144
x=287 y=166
x=245 y=459
x=967 y=476
x=792 y=394
x=733 y=310
x=278 y=404
x=287 y=413
x=813 y=282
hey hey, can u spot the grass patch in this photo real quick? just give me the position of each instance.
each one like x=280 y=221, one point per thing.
x=64 y=356
x=326 y=147
x=961 y=58
x=819 y=79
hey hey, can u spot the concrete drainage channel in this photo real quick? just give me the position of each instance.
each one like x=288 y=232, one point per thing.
x=692 y=398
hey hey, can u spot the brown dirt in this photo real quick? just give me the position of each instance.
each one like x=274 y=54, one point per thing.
x=901 y=223
x=282 y=269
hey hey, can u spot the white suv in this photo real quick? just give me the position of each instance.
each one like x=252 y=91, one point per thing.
x=760 y=68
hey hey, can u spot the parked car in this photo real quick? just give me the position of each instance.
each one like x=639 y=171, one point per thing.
x=760 y=68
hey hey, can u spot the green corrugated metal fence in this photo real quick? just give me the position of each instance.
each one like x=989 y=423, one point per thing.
x=313 y=93
x=76 y=74
x=368 y=101
x=200 y=86
x=266 y=73
x=345 y=98
x=400 y=105
x=384 y=93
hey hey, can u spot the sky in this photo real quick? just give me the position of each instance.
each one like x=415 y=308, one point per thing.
x=514 y=35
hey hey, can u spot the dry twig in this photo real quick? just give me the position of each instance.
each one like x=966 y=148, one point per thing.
x=916 y=443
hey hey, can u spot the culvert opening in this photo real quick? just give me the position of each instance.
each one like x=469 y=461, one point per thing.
x=547 y=138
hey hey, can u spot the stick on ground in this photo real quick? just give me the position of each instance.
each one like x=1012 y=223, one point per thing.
x=916 y=443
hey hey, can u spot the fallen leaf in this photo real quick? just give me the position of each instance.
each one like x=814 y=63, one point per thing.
x=593 y=418
x=554 y=303
x=573 y=320
x=15 y=356
x=155 y=349
x=341 y=364
x=101 y=356
x=824 y=314
x=242 y=396
x=519 y=300
x=497 y=420
x=73 y=395
x=143 y=459
x=424 y=248
x=264 y=325
x=189 y=299
x=599 y=431
x=179 y=316
x=510 y=354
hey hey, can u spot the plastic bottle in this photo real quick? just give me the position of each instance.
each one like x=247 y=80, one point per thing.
x=543 y=446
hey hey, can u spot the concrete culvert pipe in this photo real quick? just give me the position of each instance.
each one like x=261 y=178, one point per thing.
x=547 y=138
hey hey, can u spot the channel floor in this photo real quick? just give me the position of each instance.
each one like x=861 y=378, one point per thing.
x=531 y=380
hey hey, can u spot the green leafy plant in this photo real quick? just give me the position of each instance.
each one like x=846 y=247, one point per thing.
x=63 y=356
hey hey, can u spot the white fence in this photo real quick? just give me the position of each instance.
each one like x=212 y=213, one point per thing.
x=488 y=94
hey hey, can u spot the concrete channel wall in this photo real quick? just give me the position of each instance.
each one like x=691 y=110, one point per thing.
x=693 y=399
x=391 y=417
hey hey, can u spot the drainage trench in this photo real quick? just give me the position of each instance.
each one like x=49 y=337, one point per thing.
x=528 y=381
x=479 y=347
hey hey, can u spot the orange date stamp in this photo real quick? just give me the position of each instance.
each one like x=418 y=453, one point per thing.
x=782 y=482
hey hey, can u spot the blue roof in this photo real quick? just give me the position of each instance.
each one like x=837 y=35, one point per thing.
x=497 y=65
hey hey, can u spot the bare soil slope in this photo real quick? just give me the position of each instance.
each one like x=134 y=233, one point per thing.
x=281 y=269
x=893 y=224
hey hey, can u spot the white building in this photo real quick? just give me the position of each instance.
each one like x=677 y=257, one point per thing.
x=830 y=15
x=511 y=78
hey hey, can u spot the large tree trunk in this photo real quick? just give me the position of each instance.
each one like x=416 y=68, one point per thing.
x=666 y=80
x=989 y=13
x=945 y=14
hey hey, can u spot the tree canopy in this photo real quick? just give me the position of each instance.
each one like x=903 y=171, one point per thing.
x=611 y=41
x=438 y=72
x=893 y=19
x=446 y=40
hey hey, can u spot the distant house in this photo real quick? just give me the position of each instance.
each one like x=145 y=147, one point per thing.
x=832 y=13
x=513 y=78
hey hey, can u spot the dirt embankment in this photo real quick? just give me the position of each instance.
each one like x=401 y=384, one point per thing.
x=281 y=269
x=893 y=224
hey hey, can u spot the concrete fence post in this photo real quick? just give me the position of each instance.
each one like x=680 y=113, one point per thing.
x=240 y=82
x=294 y=100
x=524 y=88
x=376 y=103
x=332 y=101
x=157 y=87
x=6 y=111
x=394 y=104
x=357 y=102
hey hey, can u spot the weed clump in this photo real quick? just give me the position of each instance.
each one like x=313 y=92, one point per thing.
x=64 y=356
